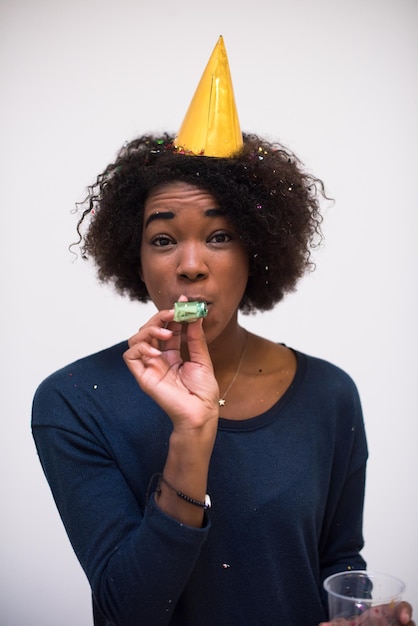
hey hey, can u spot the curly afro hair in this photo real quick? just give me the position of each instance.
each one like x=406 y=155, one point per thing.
x=272 y=203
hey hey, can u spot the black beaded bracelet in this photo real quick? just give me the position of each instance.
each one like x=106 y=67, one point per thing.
x=204 y=505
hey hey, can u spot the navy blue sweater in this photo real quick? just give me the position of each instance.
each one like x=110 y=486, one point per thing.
x=287 y=492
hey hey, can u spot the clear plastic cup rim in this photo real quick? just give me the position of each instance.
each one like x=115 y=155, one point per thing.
x=366 y=574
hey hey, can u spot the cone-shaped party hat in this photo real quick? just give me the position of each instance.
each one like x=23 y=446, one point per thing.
x=211 y=126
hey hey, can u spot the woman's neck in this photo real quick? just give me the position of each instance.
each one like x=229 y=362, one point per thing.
x=226 y=351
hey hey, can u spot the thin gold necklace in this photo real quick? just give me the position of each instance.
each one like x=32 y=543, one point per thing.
x=222 y=400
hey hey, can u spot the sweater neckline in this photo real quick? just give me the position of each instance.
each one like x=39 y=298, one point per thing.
x=258 y=421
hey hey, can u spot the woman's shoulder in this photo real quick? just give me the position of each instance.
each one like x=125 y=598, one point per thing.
x=104 y=365
x=86 y=391
x=321 y=367
x=317 y=372
x=281 y=355
x=326 y=383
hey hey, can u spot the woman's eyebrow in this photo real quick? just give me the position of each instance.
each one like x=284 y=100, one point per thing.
x=214 y=212
x=169 y=215
x=159 y=215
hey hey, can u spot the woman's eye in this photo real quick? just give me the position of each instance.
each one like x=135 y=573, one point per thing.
x=220 y=237
x=161 y=241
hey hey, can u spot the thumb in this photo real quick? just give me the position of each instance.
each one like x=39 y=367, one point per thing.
x=196 y=344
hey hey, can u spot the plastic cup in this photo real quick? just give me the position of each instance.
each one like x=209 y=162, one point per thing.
x=352 y=593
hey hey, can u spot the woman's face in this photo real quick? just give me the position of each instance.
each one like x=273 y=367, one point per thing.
x=190 y=248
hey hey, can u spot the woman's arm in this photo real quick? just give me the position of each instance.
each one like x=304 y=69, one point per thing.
x=137 y=561
x=137 y=558
x=188 y=392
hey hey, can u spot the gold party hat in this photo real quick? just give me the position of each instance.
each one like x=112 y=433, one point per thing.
x=211 y=126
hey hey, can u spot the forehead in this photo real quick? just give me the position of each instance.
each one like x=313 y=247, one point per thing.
x=177 y=195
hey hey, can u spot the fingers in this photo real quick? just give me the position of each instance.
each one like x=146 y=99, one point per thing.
x=404 y=613
x=151 y=335
x=142 y=350
x=161 y=336
x=161 y=329
x=398 y=614
x=155 y=330
x=145 y=346
x=196 y=343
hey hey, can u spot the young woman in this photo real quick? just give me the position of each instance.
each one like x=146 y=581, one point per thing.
x=136 y=439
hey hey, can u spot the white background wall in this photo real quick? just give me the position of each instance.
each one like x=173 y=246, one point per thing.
x=335 y=80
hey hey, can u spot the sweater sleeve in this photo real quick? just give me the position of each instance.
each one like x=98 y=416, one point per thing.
x=137 y=561
x=342 y=536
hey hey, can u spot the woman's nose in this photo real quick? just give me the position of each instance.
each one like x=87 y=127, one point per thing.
x=192 y=263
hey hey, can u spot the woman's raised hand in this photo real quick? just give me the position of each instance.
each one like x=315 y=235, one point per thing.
x=186 y=390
